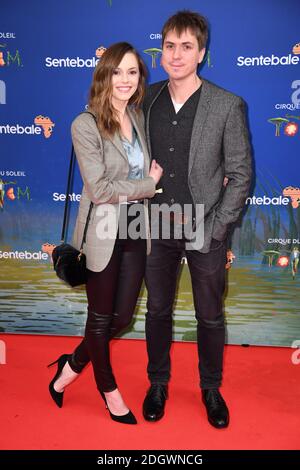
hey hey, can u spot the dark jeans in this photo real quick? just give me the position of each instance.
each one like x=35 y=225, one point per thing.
x=208 y=282
x=112 y=295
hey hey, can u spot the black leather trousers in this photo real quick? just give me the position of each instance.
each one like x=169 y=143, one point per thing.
x=112 y=295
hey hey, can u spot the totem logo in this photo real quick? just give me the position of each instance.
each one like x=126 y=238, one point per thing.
x=153 y=52
x=75 y=62
x=273 y=60
x=12 y=193
x=288 y=122
x=41 y=125
x=290 y=127
x=8 y=58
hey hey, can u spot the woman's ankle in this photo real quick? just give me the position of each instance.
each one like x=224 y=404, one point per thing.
x=66 y=378
x=115 y=402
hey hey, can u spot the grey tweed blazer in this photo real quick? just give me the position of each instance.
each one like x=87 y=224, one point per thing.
x=104 y=170
x=219 y=147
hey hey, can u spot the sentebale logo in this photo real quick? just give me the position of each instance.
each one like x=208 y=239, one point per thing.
x=272 y=60
x=100 y=51
x=75 y=62
x=46 y=124
x=41 y=125
x=294 y=194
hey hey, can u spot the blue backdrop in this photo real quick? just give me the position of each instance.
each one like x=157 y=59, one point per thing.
x=47 y=54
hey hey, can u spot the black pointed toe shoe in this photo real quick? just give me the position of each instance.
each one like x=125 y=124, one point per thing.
x=58 y=396
x=129 y=418
x=217 y=411
x=154 y=403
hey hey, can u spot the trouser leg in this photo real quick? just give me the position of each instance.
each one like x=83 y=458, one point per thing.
x=112 y=296
x=162 y=268
x=208 y=283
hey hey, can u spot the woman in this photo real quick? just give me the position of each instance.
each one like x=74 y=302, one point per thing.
x=111 y=151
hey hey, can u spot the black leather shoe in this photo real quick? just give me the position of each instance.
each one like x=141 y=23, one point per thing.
x=217 y=411
x=154 y=403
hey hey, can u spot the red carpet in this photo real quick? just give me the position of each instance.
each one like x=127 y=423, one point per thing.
x=261 y=386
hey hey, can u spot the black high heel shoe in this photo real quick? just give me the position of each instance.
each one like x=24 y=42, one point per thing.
x=58 y=396
x=129 y=418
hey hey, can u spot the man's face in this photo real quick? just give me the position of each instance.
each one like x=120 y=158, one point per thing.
x=181 y=55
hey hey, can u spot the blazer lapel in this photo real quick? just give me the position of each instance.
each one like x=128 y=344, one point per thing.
x=199 y=121
x=147 y=124
x=116 y=141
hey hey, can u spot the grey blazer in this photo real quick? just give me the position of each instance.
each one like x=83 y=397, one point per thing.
x=104 y=170
x=219 y=146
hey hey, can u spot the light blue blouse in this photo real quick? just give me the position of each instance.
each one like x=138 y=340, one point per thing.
x=135 y=156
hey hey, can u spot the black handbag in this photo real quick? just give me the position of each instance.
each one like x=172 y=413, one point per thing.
x=70 y=263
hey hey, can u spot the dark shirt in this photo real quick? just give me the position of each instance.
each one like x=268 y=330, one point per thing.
x=170 y=135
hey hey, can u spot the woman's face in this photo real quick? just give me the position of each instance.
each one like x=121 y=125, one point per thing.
x=125 y=80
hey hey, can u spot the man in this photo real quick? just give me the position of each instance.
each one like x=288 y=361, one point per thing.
x=197 y=132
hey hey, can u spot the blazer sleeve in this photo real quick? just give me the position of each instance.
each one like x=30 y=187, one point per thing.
x=237 y=167
x=89 y=153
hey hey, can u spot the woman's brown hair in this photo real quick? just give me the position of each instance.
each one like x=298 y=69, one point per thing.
x=100 y=100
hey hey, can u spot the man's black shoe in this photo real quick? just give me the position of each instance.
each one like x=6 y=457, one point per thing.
x=217 y=411
x=154 y=403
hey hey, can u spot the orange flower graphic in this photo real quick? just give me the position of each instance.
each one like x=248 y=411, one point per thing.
x=45 y=123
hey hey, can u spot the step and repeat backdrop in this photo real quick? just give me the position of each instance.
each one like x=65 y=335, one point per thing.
x=48 y=51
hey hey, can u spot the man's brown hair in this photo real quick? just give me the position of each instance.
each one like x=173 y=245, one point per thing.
x=184 y=20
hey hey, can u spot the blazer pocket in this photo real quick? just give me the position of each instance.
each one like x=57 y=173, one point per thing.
x=215 y=244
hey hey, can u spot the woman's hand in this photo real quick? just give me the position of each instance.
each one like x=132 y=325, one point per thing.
x=156 y=171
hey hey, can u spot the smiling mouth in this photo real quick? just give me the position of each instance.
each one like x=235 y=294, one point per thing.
x=124 y=89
